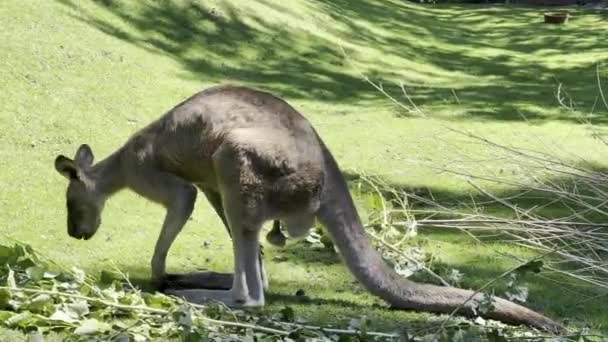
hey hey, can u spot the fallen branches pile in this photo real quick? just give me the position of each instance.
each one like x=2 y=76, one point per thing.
x=558 y=208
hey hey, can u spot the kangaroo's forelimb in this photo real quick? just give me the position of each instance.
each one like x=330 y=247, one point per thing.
x=178 y=196
x=207 y=280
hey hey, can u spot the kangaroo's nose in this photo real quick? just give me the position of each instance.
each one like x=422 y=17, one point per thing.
x=73 y=229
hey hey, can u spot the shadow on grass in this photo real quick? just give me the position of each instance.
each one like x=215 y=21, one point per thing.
x=523 y=59
x=324 y=297
x=502 y=62
x=215 y=44
x=571 y=198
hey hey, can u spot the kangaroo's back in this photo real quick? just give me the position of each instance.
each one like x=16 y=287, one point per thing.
x=184 y=140
x=259 y=118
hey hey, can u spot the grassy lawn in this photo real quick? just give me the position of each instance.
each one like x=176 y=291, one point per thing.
x=96 y=71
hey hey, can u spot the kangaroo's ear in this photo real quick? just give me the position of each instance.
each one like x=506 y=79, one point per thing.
x=84 y=156
x=66 y=167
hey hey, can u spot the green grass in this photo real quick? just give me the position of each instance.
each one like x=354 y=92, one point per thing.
x=94 y=72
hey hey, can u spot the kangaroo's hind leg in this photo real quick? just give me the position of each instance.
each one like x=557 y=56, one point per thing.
x=215 y=199
x=210 y=280
x=242 y=201
x=178 y=196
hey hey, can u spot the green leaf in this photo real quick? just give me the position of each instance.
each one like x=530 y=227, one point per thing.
x=313 y=238
x=119 y=325
x=144 y=329
x=288 y=314
x=5 y=297
x=359 y=324
x=35 y=337
x=50 y=275
x=326 y=241
x=35 y=273
x=347 y=338
x=214 y=311
x=486 y=304
x=63 y=316
x=42 y=304
x=473 y=335
x=496 y=336
x=141 y=338
x=10 y=279
x=374 y=202
x=78 y=274
x=404 y=336
x=122 y=338
x=5 y=254
x=5 y=315
x=25 y=257
x=130 y=299
x=25 y=319
x=158 y=301
x=183 y=317
x=458 y=336
x=91 y=327
x=78 y=308
x=194 y=336
x=107 y=277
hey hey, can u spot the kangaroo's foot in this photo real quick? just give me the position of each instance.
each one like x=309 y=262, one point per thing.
x=197 y=280
x=229 y=298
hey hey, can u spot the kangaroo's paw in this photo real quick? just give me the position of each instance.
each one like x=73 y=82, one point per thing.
x=208 y=296
x=198 y=280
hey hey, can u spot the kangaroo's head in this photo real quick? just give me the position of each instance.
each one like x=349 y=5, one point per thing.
x=84 y=203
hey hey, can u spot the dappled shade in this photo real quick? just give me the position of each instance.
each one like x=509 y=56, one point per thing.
x=457 y=61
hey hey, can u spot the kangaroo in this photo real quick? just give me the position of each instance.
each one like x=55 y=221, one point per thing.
x=255 y=158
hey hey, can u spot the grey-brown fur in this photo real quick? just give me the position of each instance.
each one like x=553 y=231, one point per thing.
x=256 y=159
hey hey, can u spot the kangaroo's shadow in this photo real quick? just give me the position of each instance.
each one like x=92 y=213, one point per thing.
x=142 y=281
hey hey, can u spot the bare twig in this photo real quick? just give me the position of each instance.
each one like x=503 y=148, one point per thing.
x=418 y=264
x=337 y=331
